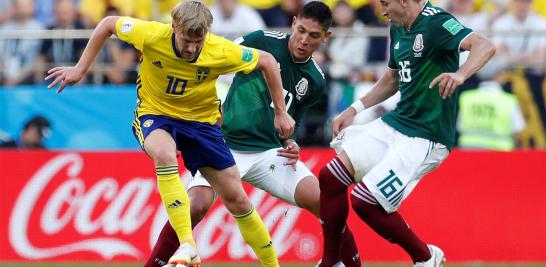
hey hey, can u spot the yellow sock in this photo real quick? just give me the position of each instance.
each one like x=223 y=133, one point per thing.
x=256 y=235
x=176 y=201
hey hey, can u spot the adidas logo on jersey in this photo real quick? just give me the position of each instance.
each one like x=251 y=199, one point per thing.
x=430 y=11
x=157 y=64
x=397 y=45
x=175 y=204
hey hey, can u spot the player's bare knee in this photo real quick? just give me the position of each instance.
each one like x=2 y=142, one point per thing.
x=308 y=195
x=201 y=199
x=198 y=210
x=237 y=204
x=162 y=156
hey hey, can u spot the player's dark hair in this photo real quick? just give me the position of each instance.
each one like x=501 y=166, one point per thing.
x=318 y=11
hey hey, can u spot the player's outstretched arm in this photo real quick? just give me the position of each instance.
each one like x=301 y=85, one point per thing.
x=382 y=90
x=284 y=124
x=70 y=75
x=481 y=50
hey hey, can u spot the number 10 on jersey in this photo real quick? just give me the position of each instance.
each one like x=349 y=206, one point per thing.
x=172 y=87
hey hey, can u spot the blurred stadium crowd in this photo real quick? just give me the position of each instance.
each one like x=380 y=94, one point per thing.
x=351 y=60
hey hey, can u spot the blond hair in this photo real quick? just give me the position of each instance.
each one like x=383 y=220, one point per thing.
x=192 y=17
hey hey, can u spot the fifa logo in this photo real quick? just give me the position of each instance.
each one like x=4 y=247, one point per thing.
x=202 y=73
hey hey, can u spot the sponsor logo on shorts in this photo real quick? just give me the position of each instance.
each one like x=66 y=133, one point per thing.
x=148 y=123
x=339 y=136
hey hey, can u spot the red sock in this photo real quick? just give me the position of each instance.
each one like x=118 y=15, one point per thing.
x=390 y=226
x=348 y=249
x=334 y=208
x=167 y=243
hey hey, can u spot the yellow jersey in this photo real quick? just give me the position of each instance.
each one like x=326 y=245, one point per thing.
x=171 y=86
x=96 y=10
x=356 y=4
x=261 y=4
x=540 y=7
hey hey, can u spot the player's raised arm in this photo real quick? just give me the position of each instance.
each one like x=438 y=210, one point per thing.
x=284 y=124
x=382 y=90
x=70 y=75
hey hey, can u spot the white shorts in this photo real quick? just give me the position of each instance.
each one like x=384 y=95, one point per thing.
x=265 y=170
x=389 y=162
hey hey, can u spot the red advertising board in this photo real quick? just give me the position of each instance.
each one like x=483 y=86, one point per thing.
x=104 y=206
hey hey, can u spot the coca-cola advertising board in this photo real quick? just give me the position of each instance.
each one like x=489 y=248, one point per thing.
x=104 y=206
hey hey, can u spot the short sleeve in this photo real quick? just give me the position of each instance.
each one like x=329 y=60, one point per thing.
x=239 y=58
x=133 y=31
x=251 y=39
x=448 y=32
x=393 y=42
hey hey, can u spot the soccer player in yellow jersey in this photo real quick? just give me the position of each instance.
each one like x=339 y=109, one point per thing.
x=178 y=109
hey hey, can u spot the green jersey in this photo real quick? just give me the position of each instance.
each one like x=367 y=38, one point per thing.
x=248 y=122
x=429 y=48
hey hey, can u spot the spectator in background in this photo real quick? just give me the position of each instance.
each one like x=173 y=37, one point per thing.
x=232 y=17
x=45 y=11
x=32 y=135
x=368 y=12
x=480 y=21
x=291 y=9
x=6 y=10
x=365 y=10
x=522 y=47
x=348 y=55
x=157 y=10
x=463 y=11
x=93 y=11
x=540 y=7
x=489 y=118
x=271 y=12
x=60 y=51
x=118 y=58
x=17 y=56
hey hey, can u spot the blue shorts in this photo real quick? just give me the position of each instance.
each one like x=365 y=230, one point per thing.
x=201 y=144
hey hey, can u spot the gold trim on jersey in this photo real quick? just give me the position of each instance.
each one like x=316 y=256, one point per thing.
x=138 y=86
x=138 y=130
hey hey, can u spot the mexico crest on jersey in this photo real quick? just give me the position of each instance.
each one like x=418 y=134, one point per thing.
x=301 y=87
x=202 y=73
x=418 y=45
